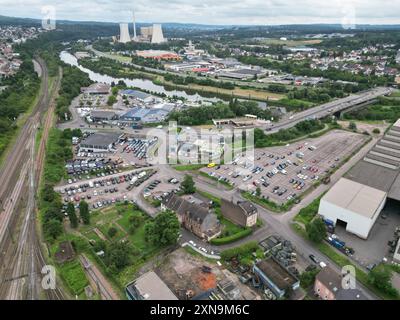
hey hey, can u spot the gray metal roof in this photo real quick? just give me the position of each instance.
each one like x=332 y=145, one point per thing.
x=355 y=197
x=101 y=139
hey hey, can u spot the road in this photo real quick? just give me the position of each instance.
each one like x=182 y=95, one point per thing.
x=21 y=254
x=330 y=108
x=277 y=223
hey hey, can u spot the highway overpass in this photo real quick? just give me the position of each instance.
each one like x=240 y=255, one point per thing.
x=331 y=108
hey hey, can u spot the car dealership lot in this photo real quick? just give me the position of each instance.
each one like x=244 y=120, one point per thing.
x=284 y=173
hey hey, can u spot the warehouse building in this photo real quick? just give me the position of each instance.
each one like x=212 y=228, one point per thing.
x=138 y=95
x=103 y=115
x=97 y=89
x=380 y=168
x=149 y=287
x=145 y=115
x=353 y=205
x=99 y=142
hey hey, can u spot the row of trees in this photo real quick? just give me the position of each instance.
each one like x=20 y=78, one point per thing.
x=71 y=83
x=179 y=80
x=59 y=149
x=261 y=140
x=19 y=95
x=204 y=115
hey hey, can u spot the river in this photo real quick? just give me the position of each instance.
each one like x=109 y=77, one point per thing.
x=143 y=84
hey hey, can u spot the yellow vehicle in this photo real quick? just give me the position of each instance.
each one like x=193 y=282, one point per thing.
x=211 y=165
x=301 y=161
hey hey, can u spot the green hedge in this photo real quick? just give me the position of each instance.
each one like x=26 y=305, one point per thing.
x=232 y=238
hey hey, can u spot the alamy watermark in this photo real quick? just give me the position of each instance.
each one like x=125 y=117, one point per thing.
x=49 y=17
x=178 y=145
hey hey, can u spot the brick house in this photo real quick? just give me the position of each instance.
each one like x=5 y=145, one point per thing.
x=194 y=217
x=242 y=213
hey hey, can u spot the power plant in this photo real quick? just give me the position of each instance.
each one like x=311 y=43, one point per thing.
x=157 y=34
x=153 y=34
x=124 y=33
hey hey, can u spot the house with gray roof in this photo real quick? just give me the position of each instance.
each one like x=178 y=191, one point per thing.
x=194 y=217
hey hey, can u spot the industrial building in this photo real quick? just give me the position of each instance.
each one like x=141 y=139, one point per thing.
x=102 y=115
x=276 y=277
x=353 y=205
x=99 y=142
x=158 y=55
x=96 y=89
x=380 y=168
x=145 y=115
x=149 y=287
x=138 y=95
x=154 y=34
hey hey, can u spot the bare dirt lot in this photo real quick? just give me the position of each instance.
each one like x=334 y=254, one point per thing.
x=304 y=163
x=185 y=276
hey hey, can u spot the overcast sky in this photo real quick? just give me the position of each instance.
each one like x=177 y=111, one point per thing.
x=260 y=12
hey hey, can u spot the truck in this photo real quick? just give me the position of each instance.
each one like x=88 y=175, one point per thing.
x=336 y=243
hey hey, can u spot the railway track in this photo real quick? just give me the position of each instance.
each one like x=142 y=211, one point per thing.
x=22 y=258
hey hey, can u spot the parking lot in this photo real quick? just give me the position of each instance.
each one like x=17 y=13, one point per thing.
x=284 y=173
x=134 y=151
x=106 y=189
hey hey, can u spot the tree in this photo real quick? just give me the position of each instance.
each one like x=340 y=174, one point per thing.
x=316 y=230
x=73 y=219
x=135 y=221
x=164 y=230
x=187 y=185
x=352 y=126
x=112 y=232
x=381 y=278
x=376 y=131
x=84 y=212
x=119 y=255
x=258 y=192
x=52 y=228
x=111 y=100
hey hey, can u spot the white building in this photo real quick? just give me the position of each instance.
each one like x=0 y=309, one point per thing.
x=353 y=205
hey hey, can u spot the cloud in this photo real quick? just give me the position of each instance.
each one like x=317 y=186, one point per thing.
x=262 y=12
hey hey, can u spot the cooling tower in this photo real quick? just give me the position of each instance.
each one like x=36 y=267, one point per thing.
x=124 y=33
x=157 y=34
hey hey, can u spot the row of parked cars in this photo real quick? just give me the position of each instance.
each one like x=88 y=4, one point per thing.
x=90 y=165
x=139 y=147
x=139 y=178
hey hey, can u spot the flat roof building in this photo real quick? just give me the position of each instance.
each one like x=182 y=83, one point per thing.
x=99 y=142
x=276 y=277
x=97 y=88
x=149 y=287
x=354 y=204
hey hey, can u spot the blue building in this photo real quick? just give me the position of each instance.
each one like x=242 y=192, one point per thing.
x=275 y=277
x=145 y=115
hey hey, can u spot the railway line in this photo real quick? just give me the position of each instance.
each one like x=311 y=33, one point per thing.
x=22 y=258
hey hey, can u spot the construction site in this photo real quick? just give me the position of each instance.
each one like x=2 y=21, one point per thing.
x=192 y=278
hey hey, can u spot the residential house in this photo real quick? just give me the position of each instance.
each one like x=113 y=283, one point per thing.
x=328 y=286
x=242 y=213
x=194 y=217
